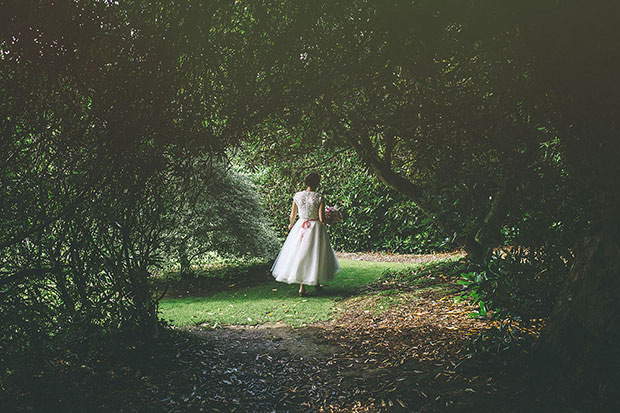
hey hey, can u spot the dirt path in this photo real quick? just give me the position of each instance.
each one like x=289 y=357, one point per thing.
x=364 y=361
x=392 y=347
x=410 y=258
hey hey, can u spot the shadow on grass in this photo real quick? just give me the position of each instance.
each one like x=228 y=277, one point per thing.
x=210 y=280
x=336 y=292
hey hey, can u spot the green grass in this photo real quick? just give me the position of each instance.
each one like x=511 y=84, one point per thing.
x=273 y=301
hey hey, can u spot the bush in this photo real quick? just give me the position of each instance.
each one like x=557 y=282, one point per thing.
x=517 y=282
x=215 y=211
x=375 y=217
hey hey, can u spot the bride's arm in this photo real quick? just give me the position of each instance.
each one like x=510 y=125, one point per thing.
x=322 y=212
x=293 y=215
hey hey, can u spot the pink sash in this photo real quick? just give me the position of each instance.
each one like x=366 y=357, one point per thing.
x=304 y=226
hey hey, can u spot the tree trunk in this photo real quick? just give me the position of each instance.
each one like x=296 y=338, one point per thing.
x=583 y=335
x=479 y=242
x=184 y=259
x=476 y=252
x=146 y=307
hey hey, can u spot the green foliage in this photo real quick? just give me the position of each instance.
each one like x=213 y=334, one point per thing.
x=104 y=106
x=212 y=209
x=473 y=283
x=436 y=108
x=519 y=282
x=497 y=120
x=375 y=217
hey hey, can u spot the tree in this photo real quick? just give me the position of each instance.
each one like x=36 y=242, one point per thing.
x=496 y=119
x=104 y=104
x=576 y=56
x=431 y=105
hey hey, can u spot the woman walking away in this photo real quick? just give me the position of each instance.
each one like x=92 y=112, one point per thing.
x=307 y=257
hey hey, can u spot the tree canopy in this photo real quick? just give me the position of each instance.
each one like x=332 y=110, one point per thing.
x=496 y=121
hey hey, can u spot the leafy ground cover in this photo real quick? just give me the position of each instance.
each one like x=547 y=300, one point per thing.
x=394 y=340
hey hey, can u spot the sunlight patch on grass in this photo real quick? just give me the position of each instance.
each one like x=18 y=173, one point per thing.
x=273 y=301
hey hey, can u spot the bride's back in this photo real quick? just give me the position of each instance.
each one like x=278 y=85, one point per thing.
x=308 y=203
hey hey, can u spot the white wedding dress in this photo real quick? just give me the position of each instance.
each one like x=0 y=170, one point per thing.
x=307 y=256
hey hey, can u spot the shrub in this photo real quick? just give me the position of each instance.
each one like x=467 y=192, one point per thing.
x=518 y=282
x=375 y=217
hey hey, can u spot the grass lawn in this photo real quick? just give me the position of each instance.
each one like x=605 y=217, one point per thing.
x=273 y=301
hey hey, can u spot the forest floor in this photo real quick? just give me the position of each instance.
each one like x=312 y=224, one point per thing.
x=404 y=258
x=400 y=343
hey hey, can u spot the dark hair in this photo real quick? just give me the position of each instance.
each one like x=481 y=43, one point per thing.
x=312 y=180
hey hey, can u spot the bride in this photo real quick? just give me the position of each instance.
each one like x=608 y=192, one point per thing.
x=307 y=256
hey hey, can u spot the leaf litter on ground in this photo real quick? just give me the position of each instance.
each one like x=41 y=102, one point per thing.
x=401 y=343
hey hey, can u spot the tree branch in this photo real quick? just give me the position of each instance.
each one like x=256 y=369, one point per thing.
x=25 y=273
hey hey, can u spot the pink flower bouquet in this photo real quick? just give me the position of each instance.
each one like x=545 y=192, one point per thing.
x=332 y=215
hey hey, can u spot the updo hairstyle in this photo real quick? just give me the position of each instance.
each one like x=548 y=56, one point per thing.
x=312 y=180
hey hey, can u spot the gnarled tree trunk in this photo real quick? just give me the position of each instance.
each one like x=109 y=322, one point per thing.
x=480 y=241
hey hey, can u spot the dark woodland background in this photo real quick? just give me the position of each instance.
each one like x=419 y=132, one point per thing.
x=140 y=136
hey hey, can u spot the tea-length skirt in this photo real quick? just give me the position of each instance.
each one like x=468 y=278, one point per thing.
x=307 y=256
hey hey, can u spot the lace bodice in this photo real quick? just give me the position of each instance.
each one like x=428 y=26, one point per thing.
x=308 y=203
